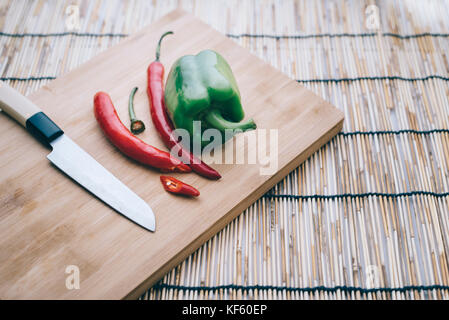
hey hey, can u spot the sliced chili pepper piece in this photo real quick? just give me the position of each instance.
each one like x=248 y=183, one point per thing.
x=126 y=142
x=162 y=122
x=176 y=186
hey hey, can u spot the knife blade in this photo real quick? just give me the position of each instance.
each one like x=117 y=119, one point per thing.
x=74 y=161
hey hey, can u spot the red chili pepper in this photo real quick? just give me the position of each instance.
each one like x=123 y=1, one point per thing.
x=173 y=185
x=129 y=144
x=162 y=122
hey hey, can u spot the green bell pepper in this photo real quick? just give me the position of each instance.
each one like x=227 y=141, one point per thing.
x=203 y=88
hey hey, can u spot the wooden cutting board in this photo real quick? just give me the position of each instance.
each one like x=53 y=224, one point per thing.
x=48 y=222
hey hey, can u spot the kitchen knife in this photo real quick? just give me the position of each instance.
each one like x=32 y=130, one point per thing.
x=74 y=161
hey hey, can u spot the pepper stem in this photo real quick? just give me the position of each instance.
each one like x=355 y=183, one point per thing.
x=137 y=126
x=158 y=48
x=216 y=120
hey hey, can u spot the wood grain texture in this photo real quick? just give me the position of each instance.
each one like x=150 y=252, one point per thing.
x=48 y=222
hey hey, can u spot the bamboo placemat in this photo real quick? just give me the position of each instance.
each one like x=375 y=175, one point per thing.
x=366 y=217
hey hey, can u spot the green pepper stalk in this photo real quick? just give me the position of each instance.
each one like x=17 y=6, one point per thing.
x=137 y=126
x=215 y=119
x=203 y=88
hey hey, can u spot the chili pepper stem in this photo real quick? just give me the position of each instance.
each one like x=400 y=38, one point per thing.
x=137 y=126
x=216 y=120
x=158 y=48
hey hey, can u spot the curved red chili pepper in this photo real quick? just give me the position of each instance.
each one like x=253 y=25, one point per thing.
x=129 y=144
x=163 y=123
x=176 y=186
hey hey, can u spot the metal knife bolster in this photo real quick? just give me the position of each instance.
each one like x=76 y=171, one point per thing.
x=43 y=128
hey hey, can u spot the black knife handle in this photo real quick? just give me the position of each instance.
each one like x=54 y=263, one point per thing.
x=43 y=128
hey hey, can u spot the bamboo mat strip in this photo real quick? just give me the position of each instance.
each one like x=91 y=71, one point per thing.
x=429 y=77
x=242 y=35
x=365 y=217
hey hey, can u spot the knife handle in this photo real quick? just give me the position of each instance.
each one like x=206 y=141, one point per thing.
x=28 y=115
